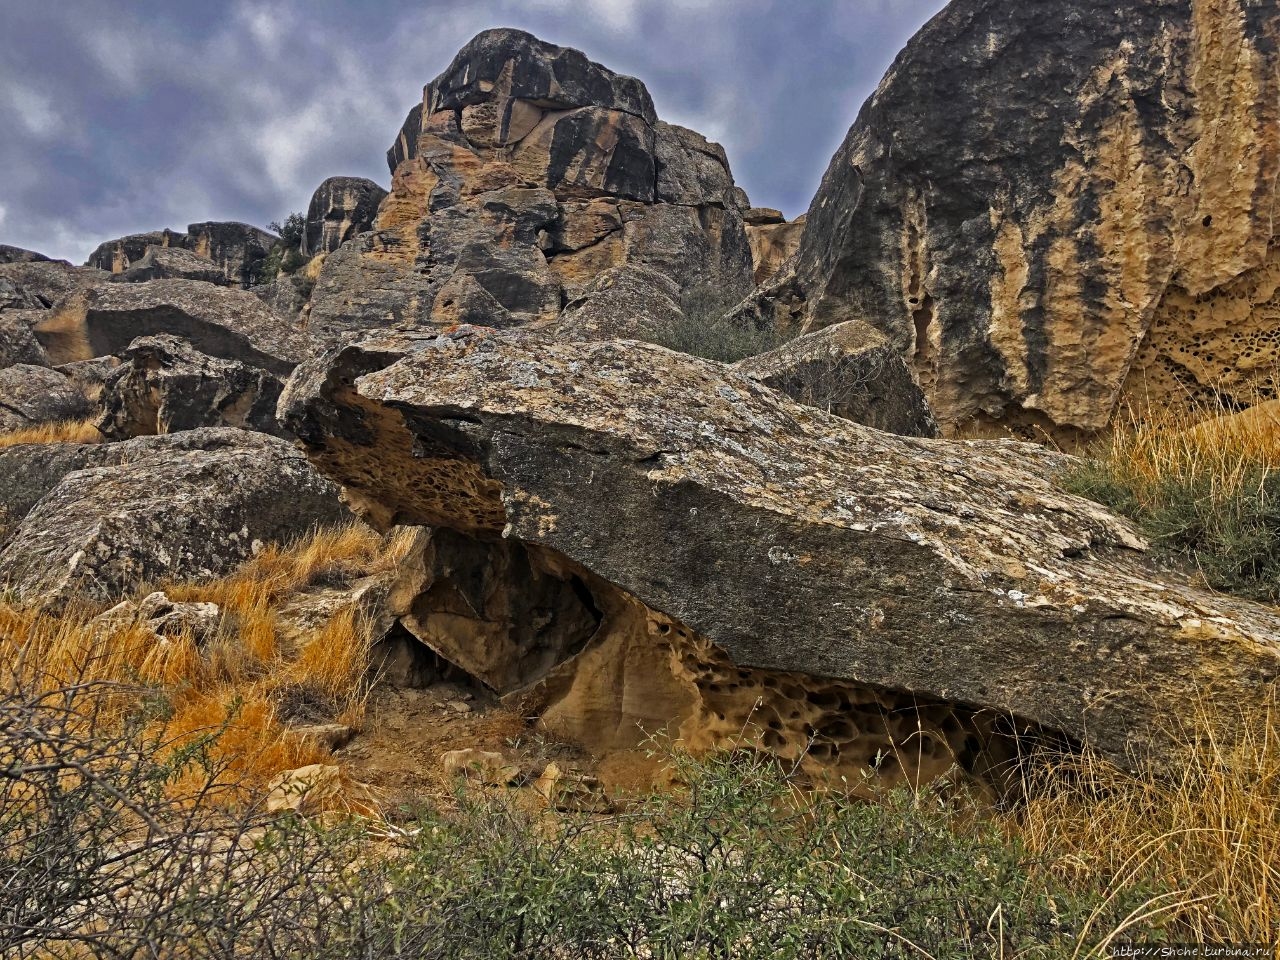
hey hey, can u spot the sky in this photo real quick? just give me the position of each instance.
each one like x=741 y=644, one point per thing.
x=122 y=116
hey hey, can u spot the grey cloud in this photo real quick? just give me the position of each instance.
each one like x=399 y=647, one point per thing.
x=133 y=116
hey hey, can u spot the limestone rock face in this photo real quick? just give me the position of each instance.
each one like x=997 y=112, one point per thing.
x=171 y=263
x=525 y=172
x=220 y=322
x=1049 y=206
x=340 y=208
x=166 y=385
x=235 y=248
x=31 y=395
x=190 y=506
x=10 y=254
x=739 y=547
x=849 y=370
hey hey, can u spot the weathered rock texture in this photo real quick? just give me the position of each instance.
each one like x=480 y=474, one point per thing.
x=31 y=395
x=171 y=263
x=43 y=283
x=1047 y=207
x=192 y=505
x=220 y=322
x=749 y=561
x=340 y=208
x=236 y=248
x=166 y=385
x=17 y=343
x=525 y=172
x=850 y=370
x=773 y=240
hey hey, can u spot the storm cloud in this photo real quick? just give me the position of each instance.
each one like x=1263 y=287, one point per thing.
x=130 y=116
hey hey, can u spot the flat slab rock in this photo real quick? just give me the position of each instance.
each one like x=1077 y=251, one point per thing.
x=789 y=538
x=218 y=321
x=187 y=506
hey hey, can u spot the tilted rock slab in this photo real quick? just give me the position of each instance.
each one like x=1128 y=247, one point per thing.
x=1051 y=207
x=189 y=506
x=753 y=561
x=218 y=321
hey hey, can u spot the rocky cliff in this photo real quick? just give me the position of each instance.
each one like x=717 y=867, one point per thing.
x=1052 y=208
x=525 y=172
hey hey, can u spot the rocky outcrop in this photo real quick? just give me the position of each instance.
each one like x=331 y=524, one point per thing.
x=165 y=385
x=43 y=283
x=849 y=370
x=525 y=172
x=235 y=248
x=340 y=208
x=190 y=506
x=220 y=322
x=171 y=263
x=1047 y=208
x=773 y=240
x=31 y=395
x=753 y=564
x=10 y=254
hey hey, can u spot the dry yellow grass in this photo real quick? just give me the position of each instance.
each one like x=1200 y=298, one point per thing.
x=1209 y=830
x=232 y=687
x=1188 y=444
x=64 y=431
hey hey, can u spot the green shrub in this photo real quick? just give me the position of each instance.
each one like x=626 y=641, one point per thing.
x=285 y=255
x=738 y=861
x=706 y=328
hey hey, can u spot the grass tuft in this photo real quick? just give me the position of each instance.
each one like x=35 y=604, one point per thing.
x=64 y=431
x=1203 y=485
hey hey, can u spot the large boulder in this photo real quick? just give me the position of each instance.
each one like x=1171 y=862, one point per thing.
x=236 y=249
x=191 y=506
x=850 y=370
x=17 y=342
x=340 y=208
x=31 y=395
x=1051 y=207
x=757 y=565
x=165 y=385
x=525 y=172
x=221 y=322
